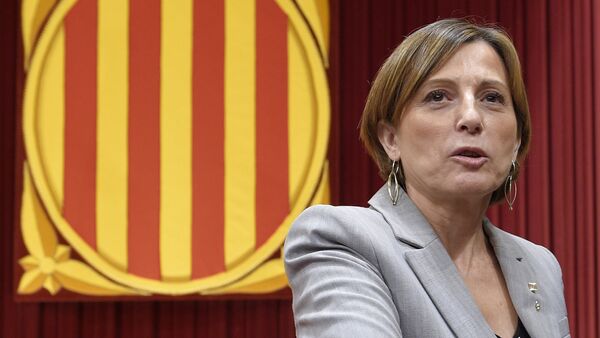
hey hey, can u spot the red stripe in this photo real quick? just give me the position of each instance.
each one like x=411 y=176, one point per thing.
x=208 y=163
x=144 y=138
x=80 y=120
x=272 y=204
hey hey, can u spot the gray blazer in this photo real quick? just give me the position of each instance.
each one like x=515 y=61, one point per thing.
x=383 y=272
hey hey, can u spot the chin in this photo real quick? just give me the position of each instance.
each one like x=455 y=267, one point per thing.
x=473 y=187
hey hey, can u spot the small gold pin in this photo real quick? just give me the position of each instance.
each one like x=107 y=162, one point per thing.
x=538 y=306
x=532 y=287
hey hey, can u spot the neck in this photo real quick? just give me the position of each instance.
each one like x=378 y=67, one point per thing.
x=457 y=222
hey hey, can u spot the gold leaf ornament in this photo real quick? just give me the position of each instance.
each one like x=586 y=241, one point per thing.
x=49 y=264
x=40 y=271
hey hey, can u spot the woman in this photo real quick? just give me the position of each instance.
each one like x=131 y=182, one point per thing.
x=447 y=122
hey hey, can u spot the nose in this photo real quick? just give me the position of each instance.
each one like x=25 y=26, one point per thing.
x=469 y=119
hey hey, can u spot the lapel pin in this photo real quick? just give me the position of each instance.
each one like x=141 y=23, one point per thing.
x=532 y=287
x=538 y=306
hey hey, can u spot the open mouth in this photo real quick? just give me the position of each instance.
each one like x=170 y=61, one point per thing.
x=470 y=157
x=471 y=152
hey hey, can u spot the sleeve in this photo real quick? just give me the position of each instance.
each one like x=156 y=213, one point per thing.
x=558 y=276
x=563 y=322
x=338 y=290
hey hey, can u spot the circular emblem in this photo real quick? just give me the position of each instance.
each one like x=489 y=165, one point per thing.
x=170 y=148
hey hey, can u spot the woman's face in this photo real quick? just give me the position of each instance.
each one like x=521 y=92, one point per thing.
x=458 y=135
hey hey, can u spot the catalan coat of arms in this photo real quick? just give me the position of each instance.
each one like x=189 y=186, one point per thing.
x=169 y=144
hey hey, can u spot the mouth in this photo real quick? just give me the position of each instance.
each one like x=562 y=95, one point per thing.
x=471 y=152
x=470 y=157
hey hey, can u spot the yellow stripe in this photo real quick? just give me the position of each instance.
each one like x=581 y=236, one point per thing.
x=28 y=14
x=323 y=9
x=301 y=110
x=176 y=140
x=51 y=121
x=317 y=16
x=240 y=167
x=33 y=15
x=111 y=177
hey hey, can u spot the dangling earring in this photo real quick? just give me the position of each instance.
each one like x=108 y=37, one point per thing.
x=510 y=194
x=392 y=183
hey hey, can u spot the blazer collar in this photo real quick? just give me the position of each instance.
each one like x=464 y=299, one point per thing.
x=437 y=273
x=407 y=222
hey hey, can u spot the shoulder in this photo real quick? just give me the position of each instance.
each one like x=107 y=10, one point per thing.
x=541 y=259
x=357 y=233
x=349 y=226
x=337 y=284
x=332 y=218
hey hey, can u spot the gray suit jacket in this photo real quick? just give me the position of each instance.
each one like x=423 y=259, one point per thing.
x=383 y=272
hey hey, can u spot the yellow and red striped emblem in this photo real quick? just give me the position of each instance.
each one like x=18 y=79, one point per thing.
x=171 y=143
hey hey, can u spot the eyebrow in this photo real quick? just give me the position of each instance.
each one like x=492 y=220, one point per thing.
x=494 y=83
x=450 y=81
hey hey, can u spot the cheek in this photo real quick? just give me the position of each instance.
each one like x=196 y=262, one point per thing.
x=506 y=137
x=421 y=140
x=502 y=143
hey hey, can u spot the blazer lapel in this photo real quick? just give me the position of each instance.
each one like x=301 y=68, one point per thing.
x=407 y=222
x=432 y=265
x=518 y=273
x=440 y=278
x=437 y=273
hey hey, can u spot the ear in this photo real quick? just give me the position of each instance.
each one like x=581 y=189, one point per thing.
x=388 y=138
x=516 y=150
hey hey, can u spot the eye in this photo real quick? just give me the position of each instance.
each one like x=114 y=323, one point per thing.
x=494 y=97
x=436 y=96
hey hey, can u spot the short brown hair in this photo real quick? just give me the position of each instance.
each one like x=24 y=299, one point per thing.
x=421 y=54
